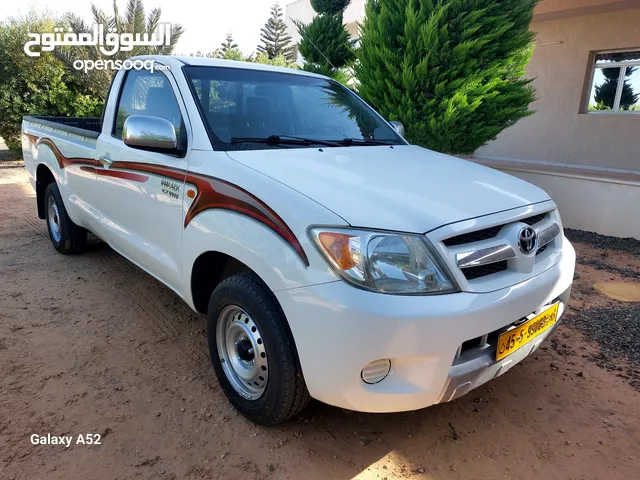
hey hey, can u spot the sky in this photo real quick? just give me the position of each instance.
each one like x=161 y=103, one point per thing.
x=206 y=22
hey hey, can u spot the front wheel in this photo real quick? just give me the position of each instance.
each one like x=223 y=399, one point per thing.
x=66 y=236
x=253 y=352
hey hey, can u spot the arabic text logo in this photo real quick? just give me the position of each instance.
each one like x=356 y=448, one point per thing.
x=109 y=43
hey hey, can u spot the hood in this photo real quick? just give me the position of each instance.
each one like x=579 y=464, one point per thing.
x=404 y=188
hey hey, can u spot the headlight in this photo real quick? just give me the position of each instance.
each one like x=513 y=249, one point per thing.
x=394 y=263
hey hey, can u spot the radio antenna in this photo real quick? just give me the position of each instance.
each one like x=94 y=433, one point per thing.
x=314 y=45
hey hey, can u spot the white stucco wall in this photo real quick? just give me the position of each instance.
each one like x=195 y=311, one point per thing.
x=560 y=131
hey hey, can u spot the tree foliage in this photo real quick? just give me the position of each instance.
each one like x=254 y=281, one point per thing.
x=35 y=85
x=134 y=21
x=450 y=70
x=326 y=46
x=605 y=93
x=236 y=54
x=274 y=38
x=278 y=61
x=329 y=6
x=228 y=44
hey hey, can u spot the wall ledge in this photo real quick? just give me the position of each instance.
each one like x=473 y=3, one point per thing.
x=584 y=172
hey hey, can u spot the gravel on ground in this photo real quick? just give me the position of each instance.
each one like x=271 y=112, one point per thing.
x=604 y=242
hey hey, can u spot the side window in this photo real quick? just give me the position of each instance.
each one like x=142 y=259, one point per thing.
x=150 y=94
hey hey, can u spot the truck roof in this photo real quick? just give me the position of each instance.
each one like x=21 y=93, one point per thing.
x=178 y=61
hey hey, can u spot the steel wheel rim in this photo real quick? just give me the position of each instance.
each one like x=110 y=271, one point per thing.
x=242 y=353
x=54 y=220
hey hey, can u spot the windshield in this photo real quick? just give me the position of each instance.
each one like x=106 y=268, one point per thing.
x=254 y=109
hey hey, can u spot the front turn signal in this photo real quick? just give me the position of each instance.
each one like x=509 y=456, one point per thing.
x=339 y=247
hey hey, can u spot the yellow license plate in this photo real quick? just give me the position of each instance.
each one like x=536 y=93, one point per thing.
x=512 y=340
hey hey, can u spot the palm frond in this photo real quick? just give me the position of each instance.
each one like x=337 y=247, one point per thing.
x=118 y=21
x=176 y=31
x=153 y=19
x=98 y=15
x=134 y=17
x=76 y=23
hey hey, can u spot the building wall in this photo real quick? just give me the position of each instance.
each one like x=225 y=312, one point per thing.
x=553 y=9
x=558 y=132
x=606 y=203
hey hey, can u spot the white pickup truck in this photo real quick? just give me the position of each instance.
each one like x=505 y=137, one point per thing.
x=333 y=260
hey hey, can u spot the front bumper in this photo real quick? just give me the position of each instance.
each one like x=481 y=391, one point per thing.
x=478 y=365
x=339 y=329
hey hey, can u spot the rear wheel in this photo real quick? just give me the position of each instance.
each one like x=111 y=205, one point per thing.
x=253 y=352
x=66 y=236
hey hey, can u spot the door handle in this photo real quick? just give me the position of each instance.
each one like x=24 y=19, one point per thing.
x=105 y=160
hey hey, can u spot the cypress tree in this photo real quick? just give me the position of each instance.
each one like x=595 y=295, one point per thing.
x=326 y=45
x=606 y=92
x=275 y=40
x=450 y=70
x=329 y=6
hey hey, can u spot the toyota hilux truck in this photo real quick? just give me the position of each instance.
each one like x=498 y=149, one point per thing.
x=332 y=259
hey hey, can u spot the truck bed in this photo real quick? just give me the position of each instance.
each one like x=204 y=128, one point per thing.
x=85 y=126
x=67 y=138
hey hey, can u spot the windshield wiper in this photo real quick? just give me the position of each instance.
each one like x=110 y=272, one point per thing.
x=347 y=142
x=285 y=140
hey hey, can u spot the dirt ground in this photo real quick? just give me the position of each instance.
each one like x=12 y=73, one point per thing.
x=91 y=344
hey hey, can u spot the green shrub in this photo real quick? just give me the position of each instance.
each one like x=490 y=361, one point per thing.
x=450 y=70
x=35 y=85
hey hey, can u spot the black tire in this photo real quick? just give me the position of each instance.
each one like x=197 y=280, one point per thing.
x=285 y=394
x=70 y=238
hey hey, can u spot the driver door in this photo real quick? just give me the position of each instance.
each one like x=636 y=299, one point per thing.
x=142 y=191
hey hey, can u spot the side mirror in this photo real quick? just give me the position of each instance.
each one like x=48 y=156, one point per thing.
x=398 y=127
x=149 y=133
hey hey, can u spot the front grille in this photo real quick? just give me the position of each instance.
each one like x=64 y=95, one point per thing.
x=476 y=236
x=484 y=270
x=533 y=220
x=542 y=249
x=487 y=233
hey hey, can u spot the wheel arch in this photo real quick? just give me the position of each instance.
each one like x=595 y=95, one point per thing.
x=208 y=270
x=212 y=267
x=44 y=176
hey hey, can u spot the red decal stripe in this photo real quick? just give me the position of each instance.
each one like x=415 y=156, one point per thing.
x=65 y=161
x=217 y=193
x=136 y=177
x=32 y=138
x=213 y=193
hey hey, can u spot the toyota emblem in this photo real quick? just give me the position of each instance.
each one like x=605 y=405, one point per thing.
x=527 y=240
